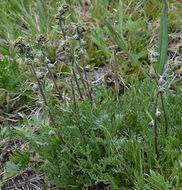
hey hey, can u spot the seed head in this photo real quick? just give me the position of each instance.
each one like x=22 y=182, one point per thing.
x=63 y=9
x=41 y=38
x=20 y=45
x=80 y=29
x=28 y=51
x=28 y=61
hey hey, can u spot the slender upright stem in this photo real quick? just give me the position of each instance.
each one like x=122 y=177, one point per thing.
x=82 y=80
x=77 y=84
x=72 y=68
x=155 y=125
x=162 y=102
x=50 y=72
x=62 y=29
x=164 y=112
x=83 y=64
x=75 y=113
x=54 y=81
x=117 y=87
x=46 y=104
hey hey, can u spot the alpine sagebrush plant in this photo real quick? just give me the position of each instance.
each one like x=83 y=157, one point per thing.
x=94 y=148
x=108 y=156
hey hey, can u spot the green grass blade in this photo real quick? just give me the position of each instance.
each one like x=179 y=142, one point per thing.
x=123 y=46
x=134 y=61
x=163 y=43
x=101 y=46
x=119 y=39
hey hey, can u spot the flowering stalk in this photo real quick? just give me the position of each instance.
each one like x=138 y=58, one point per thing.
x=160 y=86
x=54 y=81
x=41 y=39
x=162 y=102
x=22 y=48
x=80 y=30
x=46 y=104
x=160 y=91
x=76 y=115
x=62 y=10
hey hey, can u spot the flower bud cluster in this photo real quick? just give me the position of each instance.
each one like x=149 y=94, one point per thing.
x=41 y=40
x=61 y=12
x=20 y=45
x=41 y=43
x=78 y=31
x=24 y=49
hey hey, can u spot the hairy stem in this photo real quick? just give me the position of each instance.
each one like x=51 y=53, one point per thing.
x=54 y=81
x=46 y=104
x=162 y=102
x=83 y=64
x=77 y=84
x=75 y=113
x=72 y=68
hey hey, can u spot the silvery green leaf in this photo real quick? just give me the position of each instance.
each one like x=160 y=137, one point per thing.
x=151 y=124
x=40 y=75
x=35 y=87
